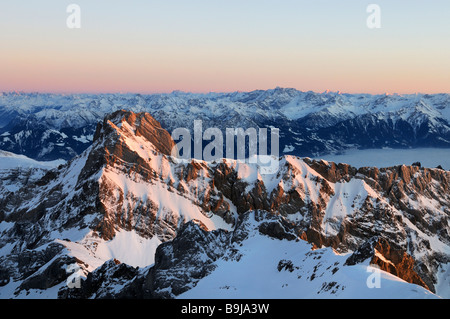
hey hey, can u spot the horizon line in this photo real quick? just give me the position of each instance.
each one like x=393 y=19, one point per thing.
x=326 y=91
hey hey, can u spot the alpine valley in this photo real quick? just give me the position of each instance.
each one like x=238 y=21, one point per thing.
x=93 y=205
x=51 y=127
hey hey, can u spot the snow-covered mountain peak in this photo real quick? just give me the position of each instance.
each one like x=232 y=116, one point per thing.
x=133 y=126
x=52 y=126
x=124 y=197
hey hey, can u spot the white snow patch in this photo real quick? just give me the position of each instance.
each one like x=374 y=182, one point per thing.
x=129 y=248
x=288 y=148
x=126 y=246
x=256 y=276
x=10 y=160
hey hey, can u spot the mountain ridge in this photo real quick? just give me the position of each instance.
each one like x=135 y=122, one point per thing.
x=51 y=126
x=123 y=190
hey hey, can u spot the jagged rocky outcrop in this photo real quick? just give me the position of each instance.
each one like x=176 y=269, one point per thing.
x=196 y=253
x=127 y=182
x=388 y=257
x=109 y=281
x=181 y=263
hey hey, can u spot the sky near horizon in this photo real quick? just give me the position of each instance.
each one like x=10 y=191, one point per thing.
x=149 y=46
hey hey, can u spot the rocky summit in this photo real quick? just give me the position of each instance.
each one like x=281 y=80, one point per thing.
x=125 y=219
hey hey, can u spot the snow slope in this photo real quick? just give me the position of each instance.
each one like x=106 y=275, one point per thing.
x=10 y=160
x=15 y=170
x=280 y=269
x=127 y=247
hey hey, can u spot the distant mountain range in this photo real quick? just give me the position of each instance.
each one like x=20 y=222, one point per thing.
x=51 y=126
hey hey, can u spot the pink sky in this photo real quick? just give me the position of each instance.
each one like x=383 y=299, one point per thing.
x=143 y=51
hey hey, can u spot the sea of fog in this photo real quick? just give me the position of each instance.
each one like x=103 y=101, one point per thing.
x=428 y=157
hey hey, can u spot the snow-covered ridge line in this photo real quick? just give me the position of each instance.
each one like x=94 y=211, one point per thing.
x=10 y=160
x=60 y=109
x=126 y=189
x=50 y=126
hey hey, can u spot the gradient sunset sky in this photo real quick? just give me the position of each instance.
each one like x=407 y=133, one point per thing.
x=146 y=46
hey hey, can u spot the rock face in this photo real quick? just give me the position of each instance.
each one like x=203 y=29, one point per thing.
x=186 y=259
x=104 y=283
x=389 y=258
x=141 y=125
x=181 y=265
x=127 y=183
